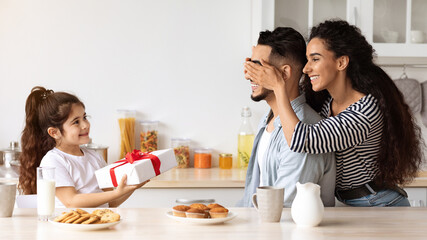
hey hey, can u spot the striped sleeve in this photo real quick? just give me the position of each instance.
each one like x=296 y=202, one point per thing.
x=332 y=134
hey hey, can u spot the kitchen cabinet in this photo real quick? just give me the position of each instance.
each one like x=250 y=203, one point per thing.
x=225 y=186
x=395 y=28
x=166 y=197
x=417 y=196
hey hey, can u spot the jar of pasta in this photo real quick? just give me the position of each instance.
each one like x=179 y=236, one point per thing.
x=148 y=135
x=203 y=158
x=225 y=160
x=126 y=119
x=181 y=148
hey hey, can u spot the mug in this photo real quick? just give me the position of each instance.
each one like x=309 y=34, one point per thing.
x=268 y=201
x=7 y=198
x=417 y=36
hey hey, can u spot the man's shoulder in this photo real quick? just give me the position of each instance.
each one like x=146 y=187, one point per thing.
x=307 y=114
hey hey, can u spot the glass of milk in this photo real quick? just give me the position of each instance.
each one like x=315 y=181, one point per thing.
x=45 y=192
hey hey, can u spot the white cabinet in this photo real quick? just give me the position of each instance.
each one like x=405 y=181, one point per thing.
x=395 y=28
x=166 y=197
x=417 y=196
x=298 y=14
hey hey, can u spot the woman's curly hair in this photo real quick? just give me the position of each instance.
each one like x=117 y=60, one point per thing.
x=43 y=109
x=402 y=146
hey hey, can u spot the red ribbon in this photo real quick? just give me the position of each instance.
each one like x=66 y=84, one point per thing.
x=131 y=157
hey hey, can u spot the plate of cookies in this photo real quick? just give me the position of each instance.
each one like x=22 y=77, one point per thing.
x=82 y=220
x=198 y=213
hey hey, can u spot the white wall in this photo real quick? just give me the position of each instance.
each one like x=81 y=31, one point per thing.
x=176 y=61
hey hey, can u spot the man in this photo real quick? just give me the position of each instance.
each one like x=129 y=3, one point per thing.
x=272 y=163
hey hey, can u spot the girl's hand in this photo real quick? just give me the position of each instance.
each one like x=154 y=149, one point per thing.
x=267 y=76
x=123 y=188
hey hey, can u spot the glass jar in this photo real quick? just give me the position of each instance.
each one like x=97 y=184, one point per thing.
x=101 y=149
x=203 y=158
x=10 y=156
x=148 y=135
x=126 y=121
x=225 y=160
x=181 y=148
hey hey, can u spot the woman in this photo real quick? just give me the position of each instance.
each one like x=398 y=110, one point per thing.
x=368 y=125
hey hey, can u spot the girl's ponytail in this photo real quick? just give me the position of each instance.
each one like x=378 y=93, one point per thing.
x=32 y=141
x=43 y=109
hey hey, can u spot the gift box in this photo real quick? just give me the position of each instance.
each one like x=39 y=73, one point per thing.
x=138 y=166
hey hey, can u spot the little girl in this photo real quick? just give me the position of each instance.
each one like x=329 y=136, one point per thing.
x=56 y=126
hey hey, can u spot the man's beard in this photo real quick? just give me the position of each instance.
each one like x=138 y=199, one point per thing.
x=264 y=93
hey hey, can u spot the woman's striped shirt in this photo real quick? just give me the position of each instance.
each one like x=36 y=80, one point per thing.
x=354 y=135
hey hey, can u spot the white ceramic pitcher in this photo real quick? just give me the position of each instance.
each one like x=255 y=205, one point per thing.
x=307 y=207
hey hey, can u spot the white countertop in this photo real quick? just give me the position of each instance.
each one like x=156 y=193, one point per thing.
x=152 y=223
x=222 y=178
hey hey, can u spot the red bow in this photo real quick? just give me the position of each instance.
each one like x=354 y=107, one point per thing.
x=131 y=157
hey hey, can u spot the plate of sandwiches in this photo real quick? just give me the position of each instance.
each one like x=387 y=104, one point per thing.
x=198 y=213
x=82 y=220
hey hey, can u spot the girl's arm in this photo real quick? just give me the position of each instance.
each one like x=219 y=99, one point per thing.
x=70 y=198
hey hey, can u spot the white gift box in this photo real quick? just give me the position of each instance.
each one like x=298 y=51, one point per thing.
x=137 y=172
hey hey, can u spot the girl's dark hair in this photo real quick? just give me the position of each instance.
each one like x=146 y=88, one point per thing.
x=43 y=109
x=401 y=147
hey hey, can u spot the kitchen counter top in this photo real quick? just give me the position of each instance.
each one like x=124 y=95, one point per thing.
x=152 y=223
x=419 y=181
x=197 y=178
x=222 y=178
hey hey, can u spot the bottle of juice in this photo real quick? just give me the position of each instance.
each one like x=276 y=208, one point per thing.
x=245 y=139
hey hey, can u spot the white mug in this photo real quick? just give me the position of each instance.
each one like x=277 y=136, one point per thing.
x=7 y=199
x=417 y=36
x=268 y=201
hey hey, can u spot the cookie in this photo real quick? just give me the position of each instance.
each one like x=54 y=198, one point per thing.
x=63 y=216
x=81 y=211
x=101 y=212
x=92 y=219
x=73 y=214
x=110 y=217
x=74 y=218
x=81 y=219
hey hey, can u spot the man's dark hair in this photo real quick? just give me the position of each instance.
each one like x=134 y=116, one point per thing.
x=285 y=42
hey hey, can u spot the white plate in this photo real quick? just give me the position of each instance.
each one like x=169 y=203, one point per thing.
x=230 y=216
x=83 y=227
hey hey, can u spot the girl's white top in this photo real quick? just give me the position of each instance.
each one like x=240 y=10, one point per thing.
x=75 y=171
